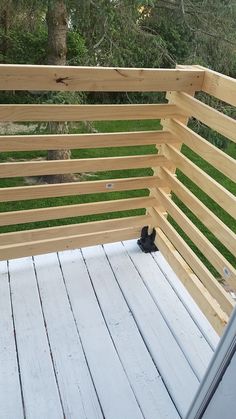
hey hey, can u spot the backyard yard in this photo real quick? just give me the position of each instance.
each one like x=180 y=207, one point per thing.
x=116 y=126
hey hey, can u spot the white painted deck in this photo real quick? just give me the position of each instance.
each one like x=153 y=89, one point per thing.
x=106 y=332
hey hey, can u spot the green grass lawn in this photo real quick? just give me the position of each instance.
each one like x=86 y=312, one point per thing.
x=121 y=151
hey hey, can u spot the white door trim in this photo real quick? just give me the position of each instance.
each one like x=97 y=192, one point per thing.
x=215 y=372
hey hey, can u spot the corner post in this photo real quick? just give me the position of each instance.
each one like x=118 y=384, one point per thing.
x=163 y=151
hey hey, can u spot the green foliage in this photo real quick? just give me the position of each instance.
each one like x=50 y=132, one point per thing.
x=135 y=33
x=25 y=47
x=77 y=53
x=113 y=36
x=176 y=37
x=30 y=47
x=64 y=98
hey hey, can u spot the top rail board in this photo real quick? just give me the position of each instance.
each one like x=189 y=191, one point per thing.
x=218 y=85
x=108 y=79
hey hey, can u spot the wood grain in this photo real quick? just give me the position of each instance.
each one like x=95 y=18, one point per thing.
x=213 y=155
x=21 y=193
x=29 y=113
x=19 y=250
x=45 y=233
x=219 y=262
x=209 y=116
x=200 y=270
x=107 y=79
x=219 y=85
x=212 y=188
x=54 y=213
x=77 y=141
x=38 y=168
x=207 y=217
x=178 y=260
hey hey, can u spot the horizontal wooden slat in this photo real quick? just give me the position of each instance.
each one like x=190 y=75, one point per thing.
x=73 y=229
x=53 y=213
x=19 y=250
x=217 y=158
x=209 y=116
x=32 y=77
x=78 y=188
x=86 y=112
x=213 y=290
x=212 y=188
x=76 y=141
x=203 y=244
x=218 y=85
x=210 y=307
x=38 y=168
x=210 y=220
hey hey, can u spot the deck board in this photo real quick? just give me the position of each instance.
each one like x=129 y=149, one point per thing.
x=78 y=395
x=11 y=401
x=195 y=348
x=113 y=388
x=39 y=387
x=102 y=332
x=143 y=376
x=174 y=368
x=191 y=306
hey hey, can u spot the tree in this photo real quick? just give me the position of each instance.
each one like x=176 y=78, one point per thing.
x=113 y=35
x=200 y=31
x=22 y=35
x=57 y=24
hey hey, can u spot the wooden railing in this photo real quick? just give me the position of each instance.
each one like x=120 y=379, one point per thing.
x=181 y=85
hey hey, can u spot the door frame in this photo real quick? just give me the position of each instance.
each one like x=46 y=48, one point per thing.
x=222 y=357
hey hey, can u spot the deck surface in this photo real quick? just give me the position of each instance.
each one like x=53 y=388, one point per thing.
x=106 y=332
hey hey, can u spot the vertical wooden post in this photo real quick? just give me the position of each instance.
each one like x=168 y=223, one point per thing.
x=162 y=148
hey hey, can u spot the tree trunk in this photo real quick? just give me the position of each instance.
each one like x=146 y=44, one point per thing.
x=57 y=23
x=5 y=24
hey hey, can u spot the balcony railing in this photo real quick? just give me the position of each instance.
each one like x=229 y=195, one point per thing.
x=181 y=85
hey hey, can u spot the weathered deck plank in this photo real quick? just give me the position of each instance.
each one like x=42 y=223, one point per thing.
x=10 y=400
x=76 y=388
x=39 y=387
x=114 y=391
x=167 y=354
x=195 y=348
x=143 y=376
x=191 y=306
x=106 y=332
